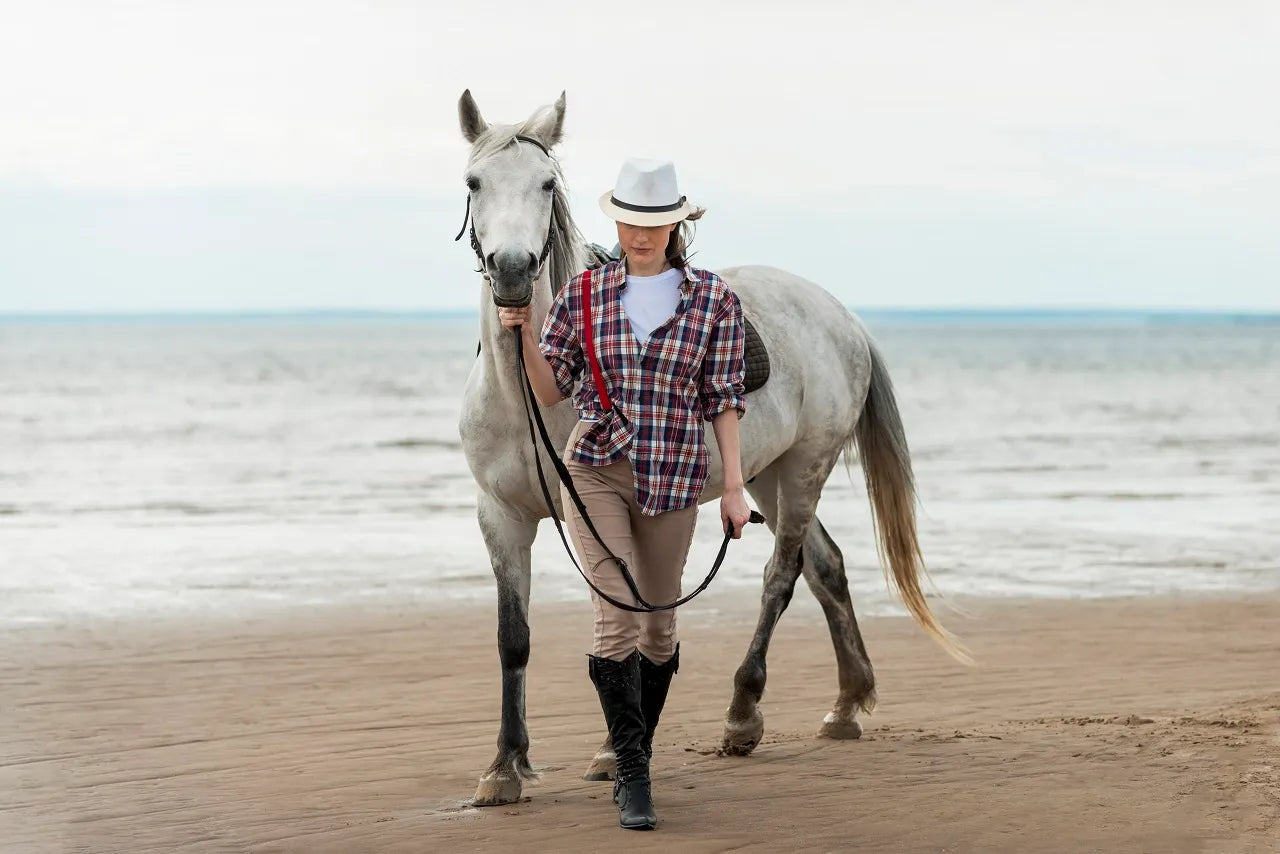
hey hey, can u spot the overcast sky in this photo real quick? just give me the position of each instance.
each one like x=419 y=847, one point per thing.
x=183 y=156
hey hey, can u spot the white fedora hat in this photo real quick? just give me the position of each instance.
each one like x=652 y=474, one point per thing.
x=646 y=193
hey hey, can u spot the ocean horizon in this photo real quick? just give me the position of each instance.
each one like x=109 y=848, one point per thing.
x=925 y=315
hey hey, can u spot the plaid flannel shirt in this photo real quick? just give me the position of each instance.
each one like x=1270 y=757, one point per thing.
x=689 y=370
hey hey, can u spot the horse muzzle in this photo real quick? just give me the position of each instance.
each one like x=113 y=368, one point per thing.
x=507 y=294
x=511 y=276
x=502 y=302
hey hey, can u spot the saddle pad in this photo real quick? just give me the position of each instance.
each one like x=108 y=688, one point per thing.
x=756 y=358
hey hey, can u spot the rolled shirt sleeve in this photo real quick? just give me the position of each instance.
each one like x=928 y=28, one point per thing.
x=559 y=343
x=724 y=367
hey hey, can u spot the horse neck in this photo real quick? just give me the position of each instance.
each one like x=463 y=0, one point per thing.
x=498 y=346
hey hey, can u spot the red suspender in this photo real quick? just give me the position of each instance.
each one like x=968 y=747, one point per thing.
x=589 y=344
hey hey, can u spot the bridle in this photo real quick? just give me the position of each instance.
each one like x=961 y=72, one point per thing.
x=475 y=241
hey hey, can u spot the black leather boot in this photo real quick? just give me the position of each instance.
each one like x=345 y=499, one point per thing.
x=618 y=684
x=655 y=681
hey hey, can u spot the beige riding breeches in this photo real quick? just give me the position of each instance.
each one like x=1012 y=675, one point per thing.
x=654 y=547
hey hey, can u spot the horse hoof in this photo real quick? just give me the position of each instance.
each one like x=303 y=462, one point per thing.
x=604 y=766
x=742 y=736
x=497 y=789
x=840 y=728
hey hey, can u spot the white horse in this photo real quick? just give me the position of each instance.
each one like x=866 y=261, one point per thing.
x=828 y=392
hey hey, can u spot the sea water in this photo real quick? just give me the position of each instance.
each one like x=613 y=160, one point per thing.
x=173 y=465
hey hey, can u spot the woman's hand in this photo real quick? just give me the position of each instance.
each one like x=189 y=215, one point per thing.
x=734 y=510
x=513 y=317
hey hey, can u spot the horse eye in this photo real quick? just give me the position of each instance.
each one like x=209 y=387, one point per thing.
x=473 y=184
x=549 y=186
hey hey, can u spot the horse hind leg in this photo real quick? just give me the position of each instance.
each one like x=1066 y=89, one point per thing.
x=824 y=573
x=787 y=493
x=604 y=765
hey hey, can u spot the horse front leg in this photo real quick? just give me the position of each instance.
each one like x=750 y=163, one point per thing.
x=508 y=539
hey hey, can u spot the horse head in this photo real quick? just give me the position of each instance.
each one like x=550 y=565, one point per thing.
x=515 y=193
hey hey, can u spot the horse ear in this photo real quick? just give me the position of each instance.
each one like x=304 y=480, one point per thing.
x=473 y=124
x=547 y=123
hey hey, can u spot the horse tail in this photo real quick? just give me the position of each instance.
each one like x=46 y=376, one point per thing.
x=886 y=465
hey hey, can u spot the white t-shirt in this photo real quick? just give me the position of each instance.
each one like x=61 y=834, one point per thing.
x=650 y=300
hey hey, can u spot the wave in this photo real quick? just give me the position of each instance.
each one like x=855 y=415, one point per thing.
x=418 y=442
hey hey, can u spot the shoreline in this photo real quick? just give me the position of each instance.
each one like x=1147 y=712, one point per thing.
x=731 y=601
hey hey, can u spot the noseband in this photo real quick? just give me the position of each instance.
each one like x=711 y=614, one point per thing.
x=475 y=241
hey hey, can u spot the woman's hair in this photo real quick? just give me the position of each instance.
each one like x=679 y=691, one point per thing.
x=681 y=237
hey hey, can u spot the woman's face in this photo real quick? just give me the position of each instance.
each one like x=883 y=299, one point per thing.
x=645 y=244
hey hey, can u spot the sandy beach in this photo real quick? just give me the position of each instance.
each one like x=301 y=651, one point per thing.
x=1116 y=725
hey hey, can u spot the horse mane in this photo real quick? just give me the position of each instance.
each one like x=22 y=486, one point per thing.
x=568 y=246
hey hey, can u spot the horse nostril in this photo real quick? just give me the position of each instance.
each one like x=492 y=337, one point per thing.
x=488 y=261
x=533 y=264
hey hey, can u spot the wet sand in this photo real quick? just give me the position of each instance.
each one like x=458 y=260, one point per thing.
x=1121 y=725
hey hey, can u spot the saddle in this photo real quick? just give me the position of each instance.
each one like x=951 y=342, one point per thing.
x=756 y=355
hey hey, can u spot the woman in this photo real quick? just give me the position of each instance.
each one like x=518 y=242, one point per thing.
x=668 y=339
